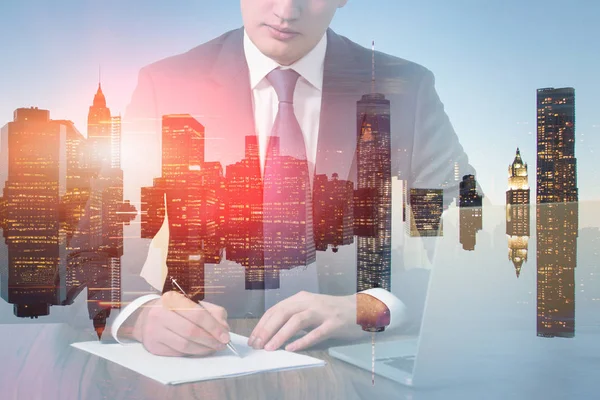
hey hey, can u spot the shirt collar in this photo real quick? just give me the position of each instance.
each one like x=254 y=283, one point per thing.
x=310 y=67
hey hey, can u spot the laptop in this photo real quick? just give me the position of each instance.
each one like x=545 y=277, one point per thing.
x=474 y=322
x=397 y=359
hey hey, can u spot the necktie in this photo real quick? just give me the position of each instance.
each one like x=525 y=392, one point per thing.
x=286 y=126
x=287 y=200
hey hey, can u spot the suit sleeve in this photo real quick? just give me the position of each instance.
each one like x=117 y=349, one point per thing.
x=438 y=160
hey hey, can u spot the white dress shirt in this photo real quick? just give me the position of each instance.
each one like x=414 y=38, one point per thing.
x=307 y=108
x=307 y=95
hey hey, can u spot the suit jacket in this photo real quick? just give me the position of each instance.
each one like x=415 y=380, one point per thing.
x=211 y=82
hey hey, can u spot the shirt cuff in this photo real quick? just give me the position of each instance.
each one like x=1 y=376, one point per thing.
x=127 y=311
x=398 y=313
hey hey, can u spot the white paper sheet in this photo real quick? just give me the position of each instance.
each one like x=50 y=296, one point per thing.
x=176 y=370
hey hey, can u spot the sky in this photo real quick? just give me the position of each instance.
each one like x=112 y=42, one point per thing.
x=488 y=56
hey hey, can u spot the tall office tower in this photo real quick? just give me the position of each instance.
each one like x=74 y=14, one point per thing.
x=333 y=215
x=99 y=133
x=190 y=186
x=103 y=155
x=517 y=212
x=115 y=142
x=468 y=196
x=182 y=145
x=471 y=222
x=112 y=244
x=373 y=197
x=556 y=162
x=557 y=232
x=99 y=275
x=287 y=212
x=152 y=208
x=244 y=218
x=213 y=201
x=425 y=212
x=470 y=212
x=34 y=157
x=107 y=211
x=111 y=240
x=556 y=212
x=78 y=179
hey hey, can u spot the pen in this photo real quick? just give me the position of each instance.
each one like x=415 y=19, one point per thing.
x=229 y=345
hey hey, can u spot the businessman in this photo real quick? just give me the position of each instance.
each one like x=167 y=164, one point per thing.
x=285 y=74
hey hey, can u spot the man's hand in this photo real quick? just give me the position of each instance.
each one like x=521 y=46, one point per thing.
x=329 y=316
x=176 y=326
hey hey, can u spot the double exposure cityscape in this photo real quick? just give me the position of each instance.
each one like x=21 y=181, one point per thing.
x=62 y=210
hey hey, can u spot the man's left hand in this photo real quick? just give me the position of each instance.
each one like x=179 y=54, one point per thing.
x=328 y=316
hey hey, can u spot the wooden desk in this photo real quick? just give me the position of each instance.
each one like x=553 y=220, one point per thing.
x=40 y=363
x=37 y=362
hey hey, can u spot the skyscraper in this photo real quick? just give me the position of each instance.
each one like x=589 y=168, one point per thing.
x=373 y=196
x=517 y=212
x=470 y=212
x=557 y=232
x=190 y=186
x=425 y=212
x=105 y=211
x=287 y=211
x=182 y=144
x=245 y=241
x=468 y=196
x=471 y=222
x=36 y=168
x=78 y=179
x=556 y=162
x=556 y=212
x=115 y=142
x=152 y=208
x=333 y=204
x=99 y=133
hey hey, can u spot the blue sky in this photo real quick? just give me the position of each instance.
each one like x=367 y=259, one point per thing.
x=489 y=57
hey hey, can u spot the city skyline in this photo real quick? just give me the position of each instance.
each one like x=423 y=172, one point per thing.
x=483 y=72
x=177 y=163
x=62 y=212
x=401 y=189
x=556 y=167
x=113 y=127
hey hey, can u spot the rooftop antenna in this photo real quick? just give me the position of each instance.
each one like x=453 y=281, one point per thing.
x=373 y=67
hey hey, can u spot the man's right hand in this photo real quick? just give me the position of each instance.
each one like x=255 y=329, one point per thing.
x=176 y=326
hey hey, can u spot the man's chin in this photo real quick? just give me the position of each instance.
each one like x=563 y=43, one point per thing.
x=282 y=53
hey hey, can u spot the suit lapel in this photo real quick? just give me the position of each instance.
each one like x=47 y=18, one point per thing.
x=345 y=80
x=227 y=104
x=230 y=102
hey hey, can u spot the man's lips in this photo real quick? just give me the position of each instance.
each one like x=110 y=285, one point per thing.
x=281 y=33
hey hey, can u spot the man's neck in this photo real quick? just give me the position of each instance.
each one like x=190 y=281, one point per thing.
x=310 y=66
